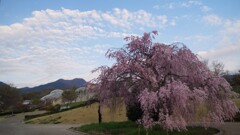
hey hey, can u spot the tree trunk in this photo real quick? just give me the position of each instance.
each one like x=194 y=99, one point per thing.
x=99 y=114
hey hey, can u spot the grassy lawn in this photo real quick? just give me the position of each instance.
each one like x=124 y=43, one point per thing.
x=74 y=104
x=82 y=115
x=87 y=114
x=236 y=89
x=131 y=128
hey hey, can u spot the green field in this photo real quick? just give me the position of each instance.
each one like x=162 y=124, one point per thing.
x=131 y=128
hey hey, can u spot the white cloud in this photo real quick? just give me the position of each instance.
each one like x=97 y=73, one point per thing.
x=173 y=5
x=220 y=52
x=186 y=4
x=156 y=7
x=198 y=38
x=55 y=43
x=228 y=47
x=163 y=19
x=170 y=5
x=70 y=25
x=191 y=3
x=195 y=2
x=212 y=19
x=173 y=22
x=205 y=9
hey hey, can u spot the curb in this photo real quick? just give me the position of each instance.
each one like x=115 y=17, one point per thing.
x=220 y=132
x=75 y=131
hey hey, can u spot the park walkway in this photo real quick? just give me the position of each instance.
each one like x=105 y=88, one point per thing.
x=14 y=125
x=230 y=128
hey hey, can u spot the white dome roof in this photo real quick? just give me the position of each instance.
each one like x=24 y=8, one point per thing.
x=53 y=95
x=80 y=89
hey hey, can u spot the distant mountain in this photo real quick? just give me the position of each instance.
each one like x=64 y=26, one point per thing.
x=59 y=84
x=2 y=83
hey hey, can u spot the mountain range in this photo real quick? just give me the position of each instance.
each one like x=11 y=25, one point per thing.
x=1 y=83
x=59 y=84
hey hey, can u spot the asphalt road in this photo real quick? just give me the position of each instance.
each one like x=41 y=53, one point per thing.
x=14 y=126
x=230 y=128
x=227 y=128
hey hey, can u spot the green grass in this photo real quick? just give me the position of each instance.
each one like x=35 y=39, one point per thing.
x=236 y=89
x=131 y=128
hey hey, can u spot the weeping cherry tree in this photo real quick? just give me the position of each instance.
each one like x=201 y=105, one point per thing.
x=170 y=83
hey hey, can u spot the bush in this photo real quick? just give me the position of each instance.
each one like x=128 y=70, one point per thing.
x=237 y=117
x=55 y=108
x=134 y=111
x=52 y=108
x=236 y=89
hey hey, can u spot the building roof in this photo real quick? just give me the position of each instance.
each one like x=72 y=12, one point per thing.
x=55 y=94
x=27 y=102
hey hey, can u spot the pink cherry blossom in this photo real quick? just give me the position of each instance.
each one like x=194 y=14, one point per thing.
x=167 y=80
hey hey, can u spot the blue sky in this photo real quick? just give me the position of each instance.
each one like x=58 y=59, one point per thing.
x=42 y=41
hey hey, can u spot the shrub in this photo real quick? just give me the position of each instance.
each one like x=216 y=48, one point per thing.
x=55 y=108
x=237 y=117
x=134 y=112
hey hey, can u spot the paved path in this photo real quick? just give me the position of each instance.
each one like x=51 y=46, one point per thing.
x=14 y=126
x=230 y=128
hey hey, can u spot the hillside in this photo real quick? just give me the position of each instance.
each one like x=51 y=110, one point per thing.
x=1 y=83
x=59 y=84
x=82 y=115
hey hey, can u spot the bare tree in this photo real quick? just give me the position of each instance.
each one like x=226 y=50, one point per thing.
x=218 y=68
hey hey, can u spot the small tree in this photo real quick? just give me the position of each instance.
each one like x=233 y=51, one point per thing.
x=10 y=98
x=69 y=95
x=168 y=81
x=218 y=68
x=236 y=78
